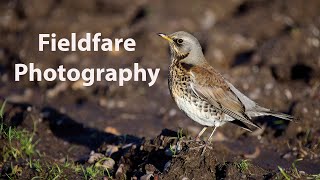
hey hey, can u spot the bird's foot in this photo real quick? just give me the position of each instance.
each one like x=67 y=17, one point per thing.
x=186 y=141
x=203 y=146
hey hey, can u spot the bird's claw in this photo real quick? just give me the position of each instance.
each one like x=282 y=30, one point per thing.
x=204 y=145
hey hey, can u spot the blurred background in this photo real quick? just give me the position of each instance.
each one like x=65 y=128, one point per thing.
x=269 y=49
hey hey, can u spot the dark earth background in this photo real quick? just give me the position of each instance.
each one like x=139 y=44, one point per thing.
x=269 y=49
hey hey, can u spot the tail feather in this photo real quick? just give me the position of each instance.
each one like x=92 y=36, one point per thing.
x=267 y=112
x=280 y=115
x=242 y=125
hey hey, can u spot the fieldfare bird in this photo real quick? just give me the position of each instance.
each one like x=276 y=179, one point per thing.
x=202 y=93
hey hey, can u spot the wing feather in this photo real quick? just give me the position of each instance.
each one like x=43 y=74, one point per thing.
x=210 y=86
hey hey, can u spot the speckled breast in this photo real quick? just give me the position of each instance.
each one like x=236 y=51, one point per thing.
x=193 y=106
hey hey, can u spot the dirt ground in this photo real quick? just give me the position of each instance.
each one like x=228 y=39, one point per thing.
x=269 y=49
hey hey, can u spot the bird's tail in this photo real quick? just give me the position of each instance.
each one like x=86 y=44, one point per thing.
x=267 y=112
x=280 y=115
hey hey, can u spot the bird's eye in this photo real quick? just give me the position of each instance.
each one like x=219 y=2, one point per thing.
x=180 y=41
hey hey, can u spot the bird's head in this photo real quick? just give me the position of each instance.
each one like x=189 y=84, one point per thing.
x=184 y=47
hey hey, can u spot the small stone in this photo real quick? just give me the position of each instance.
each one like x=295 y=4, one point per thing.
x=120 y=173
x=111 y=149
x=62 y=160
x=29 y=108
x=94 y=157
x=109 y=163
x=286 y=156
x=302 y=172
x=167 y=166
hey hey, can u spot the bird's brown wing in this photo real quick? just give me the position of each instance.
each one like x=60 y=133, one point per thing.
x=210 y=85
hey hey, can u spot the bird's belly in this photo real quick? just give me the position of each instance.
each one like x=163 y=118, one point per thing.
x=200 y=111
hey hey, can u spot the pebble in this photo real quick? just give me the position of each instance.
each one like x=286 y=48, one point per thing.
x=287 y=156
x=109 y=163
x=94 y=157
x=167 y=166
x=62 y=160
x=120 y=171
x=111 y=149
x=29 y=108
x=302 y=172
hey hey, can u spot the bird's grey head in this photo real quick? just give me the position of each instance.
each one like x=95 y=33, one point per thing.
x=184 y=47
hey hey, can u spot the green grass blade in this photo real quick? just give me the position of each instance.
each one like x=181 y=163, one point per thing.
x=2 y=108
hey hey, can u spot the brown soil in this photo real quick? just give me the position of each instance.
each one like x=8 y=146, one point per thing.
x=268 y=49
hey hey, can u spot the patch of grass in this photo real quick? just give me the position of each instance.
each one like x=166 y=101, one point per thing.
x=292 y=173
x=94 y=171
x=100 y=164
x=1 y=117
x=243 y=165
x=67 y=164
x=295 y=172
x=173 y=149
x=283 y=173
x=278 y=122
x=35 y=165
x=19 y=143
x=55 y=172
x=77 y=168
x=16 y=171
x=2 y=109
x=180 y=133
x=314 y=176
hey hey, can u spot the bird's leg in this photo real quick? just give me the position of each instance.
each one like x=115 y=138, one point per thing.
x=197 y=138
x=209 y=139
x=206 y=143
x=200 y=133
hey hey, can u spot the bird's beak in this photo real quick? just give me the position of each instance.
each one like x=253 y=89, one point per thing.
x=165 y=37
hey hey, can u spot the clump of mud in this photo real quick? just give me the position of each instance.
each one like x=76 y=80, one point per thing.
x=172 y=156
